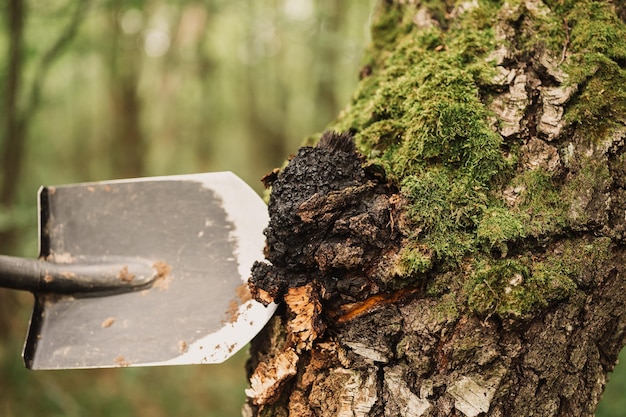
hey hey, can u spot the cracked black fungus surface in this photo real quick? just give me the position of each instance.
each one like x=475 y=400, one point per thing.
x=330 y=223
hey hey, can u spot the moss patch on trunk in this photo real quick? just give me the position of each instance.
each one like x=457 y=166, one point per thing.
x=424 y=110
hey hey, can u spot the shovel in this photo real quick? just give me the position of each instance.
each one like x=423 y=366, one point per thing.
x=142 y=272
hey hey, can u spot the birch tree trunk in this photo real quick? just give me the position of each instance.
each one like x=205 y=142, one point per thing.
x=459 y=248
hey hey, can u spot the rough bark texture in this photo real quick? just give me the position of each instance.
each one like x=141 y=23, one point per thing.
x=461 y=252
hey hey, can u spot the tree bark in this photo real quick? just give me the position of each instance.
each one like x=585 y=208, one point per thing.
x=461 y=250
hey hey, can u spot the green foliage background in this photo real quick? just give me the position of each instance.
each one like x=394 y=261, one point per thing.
x=159 y=87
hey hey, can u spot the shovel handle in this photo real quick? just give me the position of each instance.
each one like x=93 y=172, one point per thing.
x=95 y=277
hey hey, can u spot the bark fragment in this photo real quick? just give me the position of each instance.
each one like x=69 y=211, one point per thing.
x=472 y=395
x=268 y=377
x=510 y=107
x=400 y=400
x=305 y=324
x=345 y=393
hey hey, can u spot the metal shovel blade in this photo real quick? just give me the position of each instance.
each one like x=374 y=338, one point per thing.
x=202 y=232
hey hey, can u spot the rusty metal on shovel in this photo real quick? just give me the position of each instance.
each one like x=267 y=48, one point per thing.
x=148 y=271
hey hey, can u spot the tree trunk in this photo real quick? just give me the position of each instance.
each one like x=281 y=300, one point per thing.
x=461 y=251
x=13 y=127
x=127 y=144
x=15 y=114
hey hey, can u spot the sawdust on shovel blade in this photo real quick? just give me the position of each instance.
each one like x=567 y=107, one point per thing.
x=163 y=279
x=61 y=258
x=108 y=322
x=121 y=361
x=242 y=296
x=125 y=275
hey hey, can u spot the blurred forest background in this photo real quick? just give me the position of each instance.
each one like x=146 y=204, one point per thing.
x=103 y=89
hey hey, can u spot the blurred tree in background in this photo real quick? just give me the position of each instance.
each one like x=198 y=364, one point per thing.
x=102 y=89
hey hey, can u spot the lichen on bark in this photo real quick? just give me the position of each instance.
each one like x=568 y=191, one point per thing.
x=470 y=245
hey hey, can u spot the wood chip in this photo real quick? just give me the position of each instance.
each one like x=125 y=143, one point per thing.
x=125 y=275
x=305 y=325
x=108 y=322
x=268 y=377
x=163 y=279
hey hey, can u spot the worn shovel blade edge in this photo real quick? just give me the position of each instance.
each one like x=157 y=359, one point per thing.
x=231 y=338
x=251 y=316
x=214 y=348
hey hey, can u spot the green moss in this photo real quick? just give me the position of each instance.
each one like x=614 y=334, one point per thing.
x=589 y=36
x=602 y=104
x=420 y=116
x=446 y=210
x=514 y=287
x=598 y=54
x=498 y=227
x=414 y=260
x=596 y=28
x=447 y=309
x=390 y=22
x=590 y=178
x=539 y=205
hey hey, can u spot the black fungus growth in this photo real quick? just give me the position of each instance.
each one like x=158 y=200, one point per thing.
x=330 y=223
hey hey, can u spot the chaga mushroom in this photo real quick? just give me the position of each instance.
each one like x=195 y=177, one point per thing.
x=331 y=230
